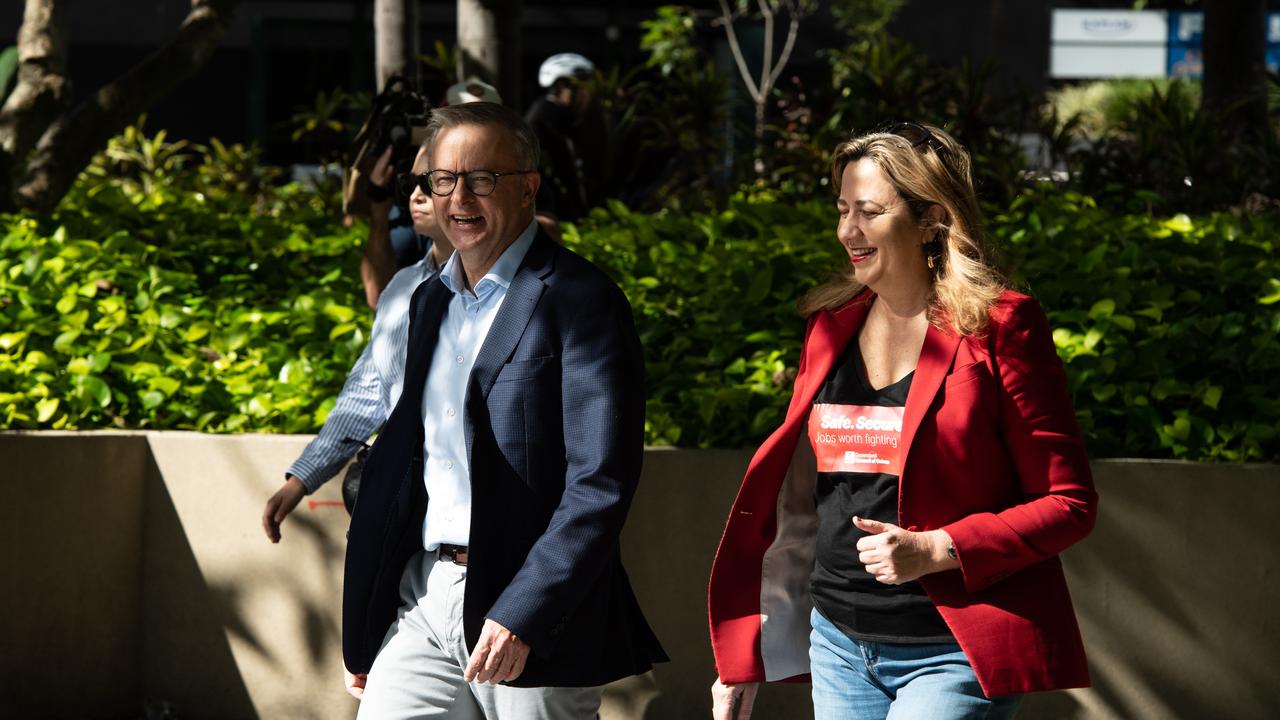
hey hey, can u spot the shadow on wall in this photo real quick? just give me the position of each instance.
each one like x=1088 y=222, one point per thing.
x=1176 y=592
x=188 y=624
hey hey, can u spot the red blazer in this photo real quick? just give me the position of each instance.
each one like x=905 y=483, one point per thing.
x=992 y=455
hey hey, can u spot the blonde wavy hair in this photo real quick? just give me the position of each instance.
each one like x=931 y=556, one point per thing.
x=935 y=171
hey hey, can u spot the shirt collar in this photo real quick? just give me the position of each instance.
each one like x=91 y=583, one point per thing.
x=502 y=272
x=430 y=264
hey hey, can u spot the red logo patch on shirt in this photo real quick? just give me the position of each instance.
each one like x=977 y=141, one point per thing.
x=856 y=438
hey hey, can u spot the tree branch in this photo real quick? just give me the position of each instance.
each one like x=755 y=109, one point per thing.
x=766 y=67
x=726 y=19
x=792 y=31
x=42 y=90
x=71 y=142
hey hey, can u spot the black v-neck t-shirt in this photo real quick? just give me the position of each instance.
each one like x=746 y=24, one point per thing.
x=840 y=586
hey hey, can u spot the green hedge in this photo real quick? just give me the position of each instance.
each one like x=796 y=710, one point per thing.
x=1167 y=326
x=166 y=308
x=169 y=309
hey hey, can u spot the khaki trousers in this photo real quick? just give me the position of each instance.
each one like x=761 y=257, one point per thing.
x=418 y=671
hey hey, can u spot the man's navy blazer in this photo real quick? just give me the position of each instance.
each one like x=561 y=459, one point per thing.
x=554 y=428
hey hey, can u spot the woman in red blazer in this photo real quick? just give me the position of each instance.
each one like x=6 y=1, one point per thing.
x=897 y=538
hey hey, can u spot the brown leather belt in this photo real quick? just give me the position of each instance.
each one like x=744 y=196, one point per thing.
x=456 y=554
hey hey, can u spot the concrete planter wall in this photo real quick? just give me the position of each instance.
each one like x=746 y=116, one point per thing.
x=136 y=569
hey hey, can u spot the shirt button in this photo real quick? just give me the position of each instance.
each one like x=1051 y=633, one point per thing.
x=448 y=464
x=459 y=359
x=450 y=412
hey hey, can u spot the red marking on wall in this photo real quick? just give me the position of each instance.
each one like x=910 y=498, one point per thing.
x=313 y=504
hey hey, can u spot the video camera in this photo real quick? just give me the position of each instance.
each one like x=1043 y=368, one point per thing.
x=398 y=119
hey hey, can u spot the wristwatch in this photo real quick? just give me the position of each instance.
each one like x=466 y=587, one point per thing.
x=951 y=551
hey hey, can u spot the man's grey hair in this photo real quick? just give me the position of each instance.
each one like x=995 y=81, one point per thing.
x=484 y=113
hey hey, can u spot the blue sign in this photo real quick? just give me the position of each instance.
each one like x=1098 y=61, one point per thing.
x=1186 y=43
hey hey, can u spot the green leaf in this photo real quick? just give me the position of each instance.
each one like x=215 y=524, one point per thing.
x=197 y=331
x=96 y=390
x=1212 y=396
x=1180 y=429
x=99 y=362
x=164 y=384
x=1103 y=393
x=1102 y=309
x=1180 y=223
x=339 y=313
x=340 y=330
x=45 y=409
x=65 y=341
x=10 y=341
x=1272 y=295
x=293 y=372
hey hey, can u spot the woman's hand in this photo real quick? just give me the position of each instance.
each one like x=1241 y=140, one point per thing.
x=894 y=556
x=383 y=172
x=732 y=702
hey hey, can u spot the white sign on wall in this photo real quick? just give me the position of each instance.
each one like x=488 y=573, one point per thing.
x=1109 y=43
x=1111 y=27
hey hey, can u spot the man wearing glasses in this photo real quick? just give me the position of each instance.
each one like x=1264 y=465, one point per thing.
x=483 y=574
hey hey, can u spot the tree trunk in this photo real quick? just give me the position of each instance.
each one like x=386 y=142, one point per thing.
x=73 y=139
x=42 y=90
x=395 y=33
x=489 y=45
x=1235 y=73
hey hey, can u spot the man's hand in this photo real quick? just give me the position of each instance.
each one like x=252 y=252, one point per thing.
x=354 y=683
x=732 y=702
x=280 y=505
x=499 y=656
x=895 y=556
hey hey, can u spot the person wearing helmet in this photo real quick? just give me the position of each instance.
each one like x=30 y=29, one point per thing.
x=571 y=143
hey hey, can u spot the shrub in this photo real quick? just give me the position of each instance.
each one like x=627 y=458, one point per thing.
x=159 y=304
x=1167 y=326
x=1107 y=107
x=153 y=301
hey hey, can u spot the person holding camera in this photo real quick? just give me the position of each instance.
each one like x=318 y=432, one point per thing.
x=373 y=385
x=395 y=242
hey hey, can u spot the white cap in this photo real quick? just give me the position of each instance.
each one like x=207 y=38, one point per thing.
x=473 y=89
x=563 y=65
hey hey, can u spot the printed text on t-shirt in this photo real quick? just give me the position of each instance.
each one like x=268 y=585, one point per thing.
x=856 y=438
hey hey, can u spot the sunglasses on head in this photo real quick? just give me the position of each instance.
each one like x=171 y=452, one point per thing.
x=914 y=133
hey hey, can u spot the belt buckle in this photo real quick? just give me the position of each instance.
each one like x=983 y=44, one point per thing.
x=455 y=554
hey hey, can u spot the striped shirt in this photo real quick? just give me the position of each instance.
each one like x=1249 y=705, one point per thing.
x=373 y=385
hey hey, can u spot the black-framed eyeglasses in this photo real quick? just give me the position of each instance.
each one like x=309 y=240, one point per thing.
x=443 y=182
x=914 y=133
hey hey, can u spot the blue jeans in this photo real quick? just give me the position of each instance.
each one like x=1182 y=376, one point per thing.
x=859 y=680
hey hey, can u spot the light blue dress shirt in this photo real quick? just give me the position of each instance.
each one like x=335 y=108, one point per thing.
x=372 y=387
x=446 y=467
